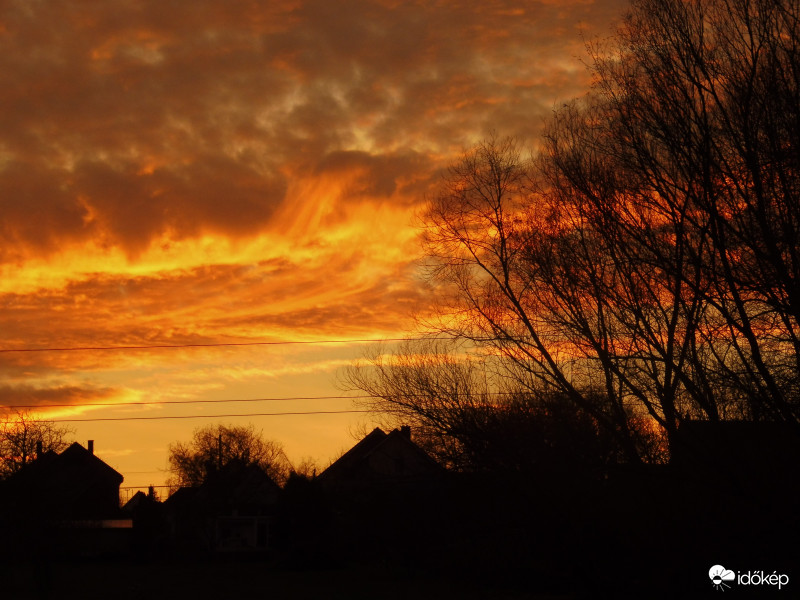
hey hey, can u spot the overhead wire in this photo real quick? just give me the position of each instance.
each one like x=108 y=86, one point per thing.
x=158 y=402
x=278 y=414
x=208 y=401
x=215 y=401
x=210 y=345
x=173 y=402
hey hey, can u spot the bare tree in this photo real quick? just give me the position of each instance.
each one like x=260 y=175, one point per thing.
x=307 y=467
x=429 y=387
x=517 y=269
x=686 y=155
x=21 y=436
x=644 y=267
x=466 y=411
x=214 y=446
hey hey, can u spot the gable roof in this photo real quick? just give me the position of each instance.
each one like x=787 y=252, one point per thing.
x=382 y=456
x=75 y=463
x=72 y=482
x=236 y=485
x=239 y=484
x=737 y=443
x=348 y=461
x=81 y=462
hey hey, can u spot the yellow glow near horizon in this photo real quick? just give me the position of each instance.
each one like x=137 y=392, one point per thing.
x=238 y=171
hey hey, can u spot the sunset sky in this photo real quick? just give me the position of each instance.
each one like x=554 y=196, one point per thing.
x=203 y=172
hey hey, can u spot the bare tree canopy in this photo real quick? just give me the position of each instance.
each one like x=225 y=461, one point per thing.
x=678 y=177
x=466 y=410
x=214 y=446
x=644 y=265
x=22 y=435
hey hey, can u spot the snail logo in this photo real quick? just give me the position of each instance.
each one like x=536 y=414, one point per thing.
x=719 y=575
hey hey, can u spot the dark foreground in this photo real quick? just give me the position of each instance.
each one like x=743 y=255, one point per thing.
x=639 y=534
x=124 y=580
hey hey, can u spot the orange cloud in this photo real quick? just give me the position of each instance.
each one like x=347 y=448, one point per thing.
x=28 y=396
x=125 y=124
x=181 y=173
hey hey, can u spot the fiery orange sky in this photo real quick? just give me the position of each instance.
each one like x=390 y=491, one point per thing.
x=195 y=172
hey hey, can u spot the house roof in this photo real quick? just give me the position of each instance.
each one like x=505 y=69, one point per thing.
x=74 y=464
x=181 y=498
x=381 y=455
x=737 y=442
x=81 y=461
x=350 y=459
x=236 y=485
x=137 y=501
x=63 y=482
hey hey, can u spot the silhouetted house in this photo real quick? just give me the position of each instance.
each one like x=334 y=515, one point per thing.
x=149 y=524
x=232 y=511
x=379 y=495
x=67 y=501
x=381 y=458
x=136 y=502
x=72 y=485
x=755 y=454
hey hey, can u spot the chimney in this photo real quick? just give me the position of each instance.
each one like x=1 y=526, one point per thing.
x=38 y=448
x=90 y=447
x=406 y=431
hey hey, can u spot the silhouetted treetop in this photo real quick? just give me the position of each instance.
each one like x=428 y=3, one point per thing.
x=214 y=446
x=644 y=266
x=23 y=437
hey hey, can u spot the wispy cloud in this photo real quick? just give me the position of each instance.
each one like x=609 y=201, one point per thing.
x=187 y=172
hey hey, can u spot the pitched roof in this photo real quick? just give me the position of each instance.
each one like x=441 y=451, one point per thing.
x=236 y=485
x=82 y=462
x=69 y=482
x=75 y=463
x=381 y=455
x=137 y=501
x=350 y=459
x=737 y=442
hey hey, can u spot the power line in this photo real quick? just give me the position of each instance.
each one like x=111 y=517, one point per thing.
x=220 y=401
x=208 y=345
x=279 y=414
x=223 y=401
x=156 y=402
